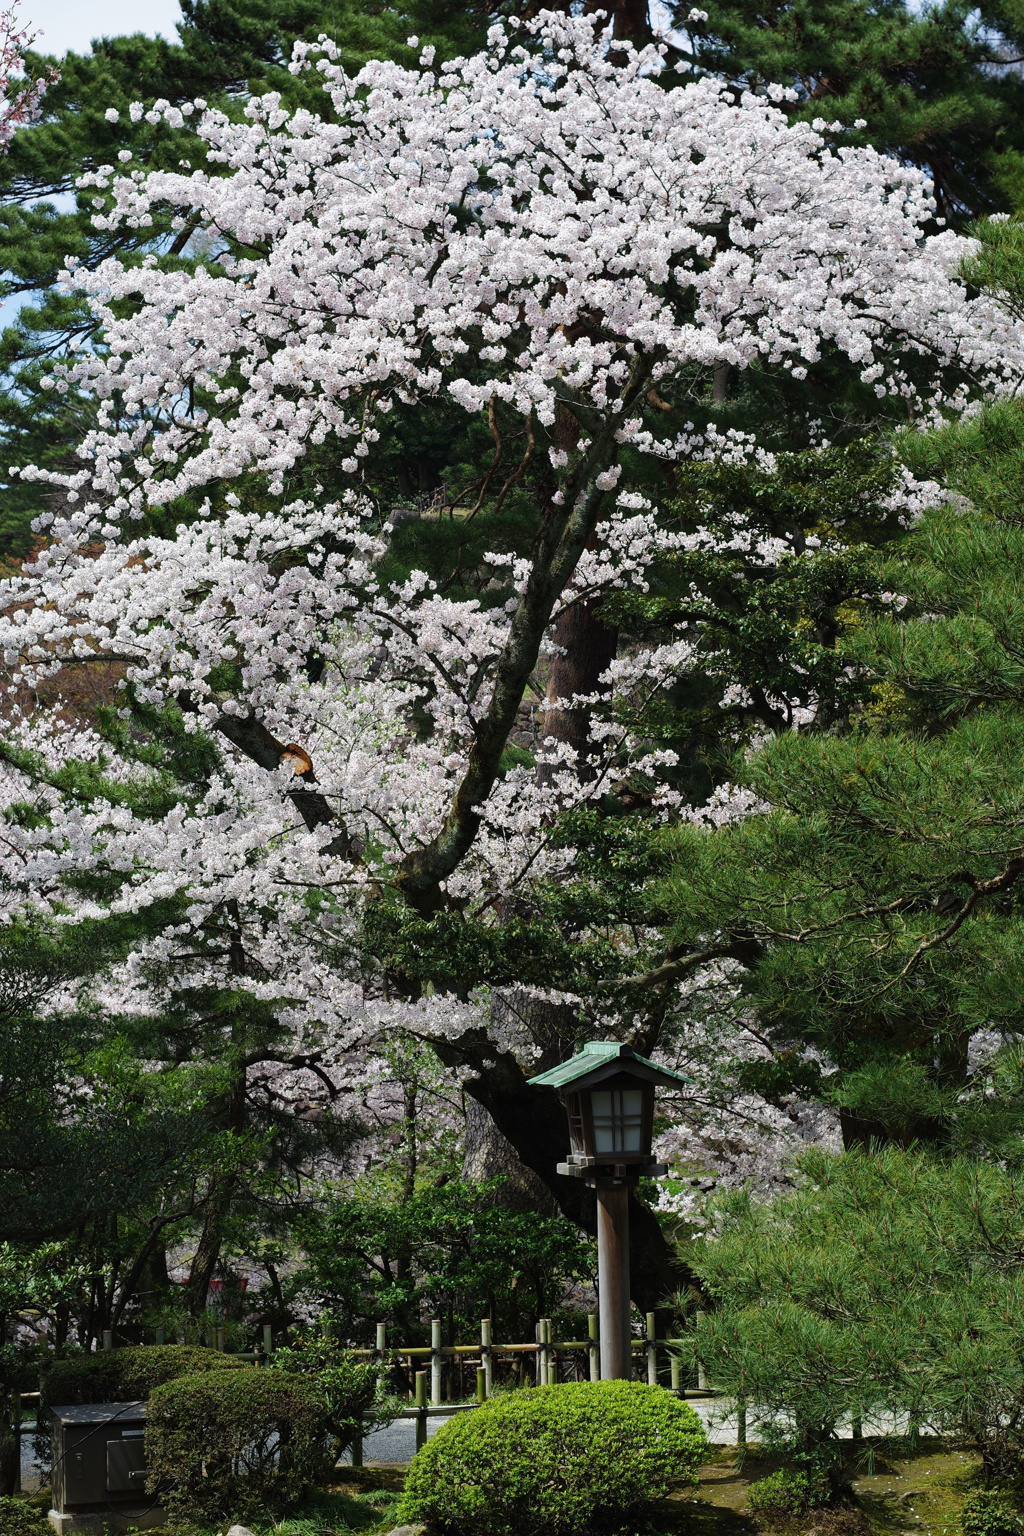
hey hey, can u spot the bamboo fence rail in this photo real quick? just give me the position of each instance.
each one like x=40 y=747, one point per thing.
x=434 y=1390
x=549 y=1354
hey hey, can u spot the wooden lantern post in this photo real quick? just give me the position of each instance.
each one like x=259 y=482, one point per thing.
x=608 y=1091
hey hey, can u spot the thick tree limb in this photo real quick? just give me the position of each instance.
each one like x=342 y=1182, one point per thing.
x=306 y=1063
x=262 y=747
x=746 y=950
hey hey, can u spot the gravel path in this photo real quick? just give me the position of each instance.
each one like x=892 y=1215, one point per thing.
x=396 y=1444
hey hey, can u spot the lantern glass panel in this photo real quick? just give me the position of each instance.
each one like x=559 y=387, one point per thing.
x=618 y=1119
x=576 y=1134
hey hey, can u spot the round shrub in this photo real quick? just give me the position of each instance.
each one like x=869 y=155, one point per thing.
x=989 y=1512
x=125 y=1375
x=239 y=1445
x=790 y=1493
x=554 y=1461
x=19 y=1519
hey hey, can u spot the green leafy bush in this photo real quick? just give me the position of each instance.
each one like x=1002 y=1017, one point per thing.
x=352 y=1390
x=125 y=1375
x=790 y=1493
x=554 y=1461
x=468 y=1244
x=19 y=1519
x=989 y=1512
x=243 y=1444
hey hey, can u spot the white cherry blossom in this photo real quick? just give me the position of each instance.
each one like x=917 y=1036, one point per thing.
x=534 y=226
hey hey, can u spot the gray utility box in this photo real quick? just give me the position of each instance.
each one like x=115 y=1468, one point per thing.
x=99 y=1466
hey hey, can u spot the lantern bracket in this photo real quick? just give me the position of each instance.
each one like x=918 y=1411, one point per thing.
x=599 y=1173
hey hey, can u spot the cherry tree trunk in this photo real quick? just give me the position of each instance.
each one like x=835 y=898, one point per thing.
x=586 y=649
x=490 y=1155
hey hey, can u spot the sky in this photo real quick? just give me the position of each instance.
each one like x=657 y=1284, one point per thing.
x=72 y=24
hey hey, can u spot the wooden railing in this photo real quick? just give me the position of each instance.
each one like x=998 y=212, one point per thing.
x=435 y=1391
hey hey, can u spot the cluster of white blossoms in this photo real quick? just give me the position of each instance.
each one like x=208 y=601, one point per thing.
x=20 y=98
x=536 y=227
x=520 y=225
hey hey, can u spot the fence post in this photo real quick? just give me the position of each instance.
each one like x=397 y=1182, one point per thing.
x=357 y=1448
x=108 y=1338
x=268 y=1340
x=593 y=1348
x=158 y=1335
x=382 y=1339
x=481 y=1385
x=19 y=1409
x=702 y=1375
x=421 y=1404
x=485 y=1353
x=435 y=1361
x=220 y=1339
x=652 y=1350
x=675 y=1365
x=545 y=1352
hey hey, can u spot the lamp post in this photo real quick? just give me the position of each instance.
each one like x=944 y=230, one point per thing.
x=608 y=1092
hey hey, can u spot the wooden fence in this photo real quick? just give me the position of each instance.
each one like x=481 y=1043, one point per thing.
x=444 y=1365
x=436 y=1373
x=445 y=1379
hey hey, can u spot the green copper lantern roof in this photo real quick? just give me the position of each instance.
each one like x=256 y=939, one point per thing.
x=600 y=1059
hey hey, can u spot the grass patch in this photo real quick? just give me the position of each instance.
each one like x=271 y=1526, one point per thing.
x=362 y=1506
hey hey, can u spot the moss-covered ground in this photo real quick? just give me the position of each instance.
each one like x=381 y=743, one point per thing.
x=892 y=1496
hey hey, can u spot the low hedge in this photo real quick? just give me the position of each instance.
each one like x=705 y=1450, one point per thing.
x=585 y=1457
x=242 y=1445
x=125 y=1375
x=19 y=1518
x=787 y=1492
x=989 y=1512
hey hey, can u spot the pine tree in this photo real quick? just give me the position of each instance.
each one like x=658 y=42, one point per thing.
x=885 y=1289
x=937 y=86
x=876 y=894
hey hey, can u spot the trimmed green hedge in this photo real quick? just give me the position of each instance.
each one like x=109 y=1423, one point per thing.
x=555 y=1461
x=18 y=1518
x=790 y=1493
x=246 y=1444
x=125 y=1375
x=989 y=1512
